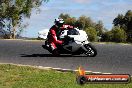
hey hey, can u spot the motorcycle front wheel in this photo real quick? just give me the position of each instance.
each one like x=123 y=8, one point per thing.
x=92 y=52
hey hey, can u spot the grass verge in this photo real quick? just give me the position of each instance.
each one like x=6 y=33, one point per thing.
x=112 y=43
x=12 y=76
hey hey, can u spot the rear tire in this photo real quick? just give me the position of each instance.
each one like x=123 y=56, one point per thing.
x=92 y=52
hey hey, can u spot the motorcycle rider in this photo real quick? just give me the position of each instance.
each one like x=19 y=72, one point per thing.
x=54 y=33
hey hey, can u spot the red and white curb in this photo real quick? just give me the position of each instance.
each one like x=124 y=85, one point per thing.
x=56 y=69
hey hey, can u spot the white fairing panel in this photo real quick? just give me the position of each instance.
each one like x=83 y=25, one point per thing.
x=81 y=37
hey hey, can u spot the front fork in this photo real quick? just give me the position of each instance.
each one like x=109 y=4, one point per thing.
x=83 y=45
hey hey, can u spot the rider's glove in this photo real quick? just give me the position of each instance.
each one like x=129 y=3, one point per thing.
x=66 y=40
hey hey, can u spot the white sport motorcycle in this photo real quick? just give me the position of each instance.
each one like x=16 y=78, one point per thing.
x=75 y=43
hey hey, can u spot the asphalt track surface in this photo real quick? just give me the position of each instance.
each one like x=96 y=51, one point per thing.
x=111 y=58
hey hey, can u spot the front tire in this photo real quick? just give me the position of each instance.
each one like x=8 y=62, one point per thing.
x=92 y=52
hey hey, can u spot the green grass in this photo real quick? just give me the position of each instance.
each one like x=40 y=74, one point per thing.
x=12 y=76
x=112 y=43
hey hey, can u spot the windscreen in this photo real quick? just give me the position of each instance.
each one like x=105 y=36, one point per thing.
x=72 y=32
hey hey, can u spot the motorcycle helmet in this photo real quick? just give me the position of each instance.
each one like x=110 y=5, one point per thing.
x=59 y=22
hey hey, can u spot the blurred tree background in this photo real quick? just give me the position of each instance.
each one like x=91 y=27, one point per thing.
x=121 y=31
x=12 y=12
x=125 y=22
x=93 y=29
